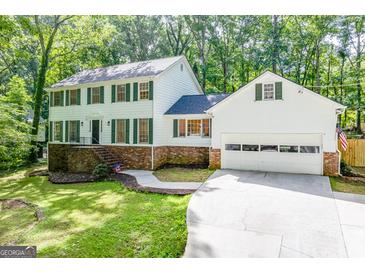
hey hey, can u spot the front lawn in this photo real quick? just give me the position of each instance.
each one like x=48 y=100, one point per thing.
x=346 y=185
x=101 y=219
x=179 y=174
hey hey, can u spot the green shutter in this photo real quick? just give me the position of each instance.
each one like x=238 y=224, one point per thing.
x=128 y=92
x=135 y=91
x=78 y=132
x=88 y=96
x=175 y=133
x=61 y=140
x=51 y=99
x=113 y=93
x=50 y=137
x=258 y=92
x=62 y=98
x=113 y=131
x=127 y=131
x=66 y=131
x=78 y=99
x=102 y=95
x=150 y=131
x=278 y=90
x=135 y=130
x=67 y=97
x=150 y=91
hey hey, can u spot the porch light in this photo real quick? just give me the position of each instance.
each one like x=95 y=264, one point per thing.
x=108 y=123
x=82 y=124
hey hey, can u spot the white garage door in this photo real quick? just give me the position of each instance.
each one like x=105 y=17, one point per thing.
x=292 y=153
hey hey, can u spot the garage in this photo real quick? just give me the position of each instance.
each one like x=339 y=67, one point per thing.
x=275 y=152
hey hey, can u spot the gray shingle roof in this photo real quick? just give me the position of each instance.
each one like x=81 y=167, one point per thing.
x=123 y=71
x=195 y=104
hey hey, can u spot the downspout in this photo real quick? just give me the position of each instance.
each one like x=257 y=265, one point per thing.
x=153 y=118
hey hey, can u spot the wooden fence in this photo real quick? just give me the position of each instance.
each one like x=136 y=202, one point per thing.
x=355 y=153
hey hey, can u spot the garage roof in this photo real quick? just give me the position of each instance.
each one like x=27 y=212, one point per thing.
x=195 y=104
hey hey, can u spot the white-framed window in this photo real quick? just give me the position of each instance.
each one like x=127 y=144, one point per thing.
x=73 y=97
x=194 y=127
x=143 y=131
x=121 y=93
x=95 y=95
x=182 y=128
x=143 y=91
x=121 y=131
x=72 y=131
x=57 y=98
x=57 y=131
x=269 y=91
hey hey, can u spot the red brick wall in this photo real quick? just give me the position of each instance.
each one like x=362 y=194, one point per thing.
x=180 y=155
x=133 y=157
x=331 y=163
x=58 y=157
x=215 y=158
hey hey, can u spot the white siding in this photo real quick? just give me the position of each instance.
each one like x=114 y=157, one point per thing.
x=105 y=112
x=298 y=112
x=169 y=87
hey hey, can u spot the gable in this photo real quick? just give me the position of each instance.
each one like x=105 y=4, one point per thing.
x=290 y=93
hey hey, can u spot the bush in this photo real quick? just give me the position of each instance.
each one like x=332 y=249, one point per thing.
x=101 y=171
x=346 y=170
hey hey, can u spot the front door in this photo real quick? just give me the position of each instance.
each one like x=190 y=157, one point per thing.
x=95 y=131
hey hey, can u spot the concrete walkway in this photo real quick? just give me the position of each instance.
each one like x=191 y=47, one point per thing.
x=147 y=179
x=259 y=214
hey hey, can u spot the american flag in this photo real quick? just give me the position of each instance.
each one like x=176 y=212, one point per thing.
x=342 y=137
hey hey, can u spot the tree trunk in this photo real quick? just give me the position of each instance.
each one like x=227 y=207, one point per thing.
x=358 y=85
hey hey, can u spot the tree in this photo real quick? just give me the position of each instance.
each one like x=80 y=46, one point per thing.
x=14 y=128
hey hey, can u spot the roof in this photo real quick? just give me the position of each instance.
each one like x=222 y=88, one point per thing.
x=241 y=89
x=123 y=71
x=195 y=104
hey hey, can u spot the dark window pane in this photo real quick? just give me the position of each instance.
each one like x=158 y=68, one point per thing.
x=286 y=148
x=269 y=148
x=233 y=147
x=250 y=147
x=309 y=149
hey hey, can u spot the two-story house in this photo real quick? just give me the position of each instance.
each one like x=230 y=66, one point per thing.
x=154 y=112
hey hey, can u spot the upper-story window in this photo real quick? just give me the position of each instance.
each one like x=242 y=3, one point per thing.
x=95 y=95
x=73 y=97
x=121 y=93
x=58 y=98
x=143 y=91
x=269 y=91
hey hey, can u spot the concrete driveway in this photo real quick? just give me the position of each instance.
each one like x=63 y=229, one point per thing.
x=258 y=214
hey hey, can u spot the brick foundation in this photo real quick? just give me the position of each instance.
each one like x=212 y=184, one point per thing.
x=214 y=158
x=133 y=157
x=331 y=163
x=180 y=155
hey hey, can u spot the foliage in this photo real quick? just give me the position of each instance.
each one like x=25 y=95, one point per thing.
x=101 y=171
x=101 y=219
x=345 y=169
x=14 y=127
x=178 y=174
x=350 y=186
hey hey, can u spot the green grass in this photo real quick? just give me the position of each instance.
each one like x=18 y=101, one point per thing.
x=343 y=185
x=178 y=174
x=101 y=219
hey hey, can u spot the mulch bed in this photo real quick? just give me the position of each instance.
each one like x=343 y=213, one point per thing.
x=354 y=179
x=128 y=181
x=41 y=172
x=18 y=203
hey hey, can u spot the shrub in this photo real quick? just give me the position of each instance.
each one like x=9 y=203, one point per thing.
x=101 y=171
x=346 y=170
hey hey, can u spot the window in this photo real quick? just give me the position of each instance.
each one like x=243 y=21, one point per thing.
x=194 y=127
x=57 y=131
x=287 y=148
x=269 y=148
x=235 y=147
x=121 y=93
x=57 y=98
x=143 y=130
x=121 y=132
x=182 y=126
x=72 y=129
x=143 y=91
x=206 y=128
x=73 y=97
x=268 y=91
x=95 y=95
x=309 y=149
x=250 y=147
